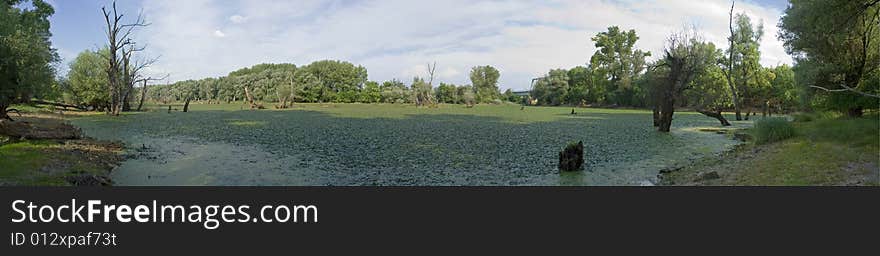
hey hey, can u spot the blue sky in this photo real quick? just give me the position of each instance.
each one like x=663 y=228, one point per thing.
x=395 y=39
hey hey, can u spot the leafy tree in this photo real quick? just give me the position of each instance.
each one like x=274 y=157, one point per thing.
x=27 y=54
x=467 y=95
x=552 y=88
x=371 y=93
x=685 y=57
x=708 y=93
x=620 y=63
x=336 y=77
x=743 y=63
x=394 y=91
x=838 y=42
x=446 y=93
x=485 y=82
x=785 y=94
x=87 y=79
x=580 y=86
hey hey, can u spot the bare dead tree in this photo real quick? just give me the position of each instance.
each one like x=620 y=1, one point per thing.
x=423 y=94
x=431 y=69
x=728 y=71
x=429 y=95
x=144 y=89
x=132 y=73
x=119 y=38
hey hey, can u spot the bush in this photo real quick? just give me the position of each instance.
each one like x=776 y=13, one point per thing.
x=803 y=117
x=772 y=129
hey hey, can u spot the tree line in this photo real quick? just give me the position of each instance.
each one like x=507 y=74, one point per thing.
x=834 y=45
x=325 y=81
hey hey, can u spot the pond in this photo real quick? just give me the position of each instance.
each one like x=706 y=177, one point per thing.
x=362 y=144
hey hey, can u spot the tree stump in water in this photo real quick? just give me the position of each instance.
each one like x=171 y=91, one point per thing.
x=571 y=158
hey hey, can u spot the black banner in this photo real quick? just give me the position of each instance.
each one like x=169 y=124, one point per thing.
x=451 y=220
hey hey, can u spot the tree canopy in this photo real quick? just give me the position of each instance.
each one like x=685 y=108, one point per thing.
x=25 y=68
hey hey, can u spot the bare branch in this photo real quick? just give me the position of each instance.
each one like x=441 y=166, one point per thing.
x=846 y=89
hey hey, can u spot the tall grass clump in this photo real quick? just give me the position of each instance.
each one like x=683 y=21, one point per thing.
x=772 y=129
x=801 y=117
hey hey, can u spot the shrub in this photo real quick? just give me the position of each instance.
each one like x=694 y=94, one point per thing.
x=803 y=117
x=772 y=129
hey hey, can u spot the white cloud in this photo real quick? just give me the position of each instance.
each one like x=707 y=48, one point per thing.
x=396 y=38
x=238 y=19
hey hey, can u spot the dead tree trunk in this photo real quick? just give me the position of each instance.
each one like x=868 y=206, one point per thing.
x=143 y=95
x=56 y=104
x=250 y=98
x=729 y=71
x=118 y=37
x=186 y=105
x=715 y=114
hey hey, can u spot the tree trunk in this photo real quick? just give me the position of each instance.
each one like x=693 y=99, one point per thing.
x=667 y=109
x=143 y=95
x=730 y=83
x=250 y=98
x=854 y=112
x=126 y=106
x=56 y=104
x=186 y=105
x=717 y=115
x=656 y=111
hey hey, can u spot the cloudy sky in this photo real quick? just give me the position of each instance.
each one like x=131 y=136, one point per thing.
x=396 y=39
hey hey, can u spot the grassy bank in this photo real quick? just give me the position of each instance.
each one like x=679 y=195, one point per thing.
x=825 y=150
x=54 y=162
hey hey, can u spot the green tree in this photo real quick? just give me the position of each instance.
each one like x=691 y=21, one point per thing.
x=552 y=88
x=87 y=79
x=371 y=93
x=837 y=41
x=685 y=57
x=785 y=92
x=27 y=54
x=743 y=63
x=446 y=93
x=485 y=82
x=421 y=92
x=394 y=91
x=580 y=86
x=620 y=63
x=337 y=77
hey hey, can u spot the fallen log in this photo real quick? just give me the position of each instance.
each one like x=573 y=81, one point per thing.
x=57 y=104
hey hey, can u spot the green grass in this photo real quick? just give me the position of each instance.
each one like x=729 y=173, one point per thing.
x=824 y=151
x=22 y=163
x=388 y=144
x=772 y=129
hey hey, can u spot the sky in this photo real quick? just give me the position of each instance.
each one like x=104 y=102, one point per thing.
x=396 y=39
